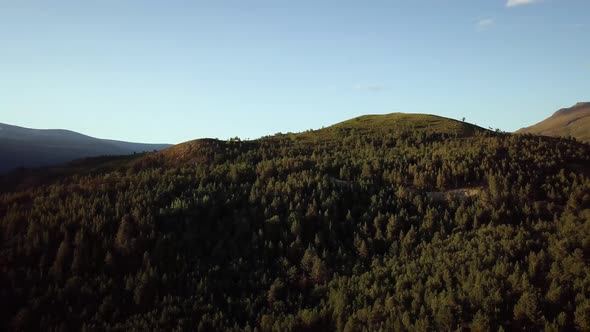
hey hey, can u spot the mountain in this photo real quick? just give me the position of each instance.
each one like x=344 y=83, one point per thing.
x=398 y=222
x=25 y=147
x=573 y=121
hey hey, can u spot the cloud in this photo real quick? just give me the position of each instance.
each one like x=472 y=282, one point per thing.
x=513 y=3
x=370 y=87
x=484 y=23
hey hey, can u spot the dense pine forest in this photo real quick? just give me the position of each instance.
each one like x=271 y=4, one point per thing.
x=380 y=223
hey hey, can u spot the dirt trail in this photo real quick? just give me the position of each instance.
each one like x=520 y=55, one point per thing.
x=461 y=193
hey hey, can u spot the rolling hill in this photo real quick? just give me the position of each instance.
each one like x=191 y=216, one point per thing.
x=573 y=121
x=25 y=147
x=203 y=150
x=408 y=122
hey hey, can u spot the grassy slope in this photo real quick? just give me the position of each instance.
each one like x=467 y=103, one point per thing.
x=409 y=122
x=573 y=121
x=393 y=122
x=202 y=150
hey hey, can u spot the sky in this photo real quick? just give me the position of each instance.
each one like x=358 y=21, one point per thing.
x=172 y=71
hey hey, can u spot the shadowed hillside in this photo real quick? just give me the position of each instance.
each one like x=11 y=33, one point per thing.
x=573 y=121
x=25 y=147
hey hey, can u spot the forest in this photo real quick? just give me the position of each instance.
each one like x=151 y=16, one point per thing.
x=380 y=223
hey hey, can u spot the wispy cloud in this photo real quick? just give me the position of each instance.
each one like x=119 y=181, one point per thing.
x=577 y=25
x=513 y=3
x=370 y=87
x=484 y=24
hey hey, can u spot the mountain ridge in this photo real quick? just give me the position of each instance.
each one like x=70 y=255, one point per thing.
x=28 y=147
x=566 y=122
x=203 y=151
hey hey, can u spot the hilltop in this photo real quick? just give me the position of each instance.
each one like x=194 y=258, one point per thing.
x=573 y=121
x=397 y=124
x=400 y=122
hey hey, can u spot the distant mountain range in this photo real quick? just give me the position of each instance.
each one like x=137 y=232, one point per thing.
x=26 y=147
x=573 y=121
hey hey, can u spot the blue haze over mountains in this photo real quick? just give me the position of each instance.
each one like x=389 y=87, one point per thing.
x=25 y=147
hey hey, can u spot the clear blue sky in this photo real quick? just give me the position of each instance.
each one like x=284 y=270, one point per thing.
x=170 y=71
